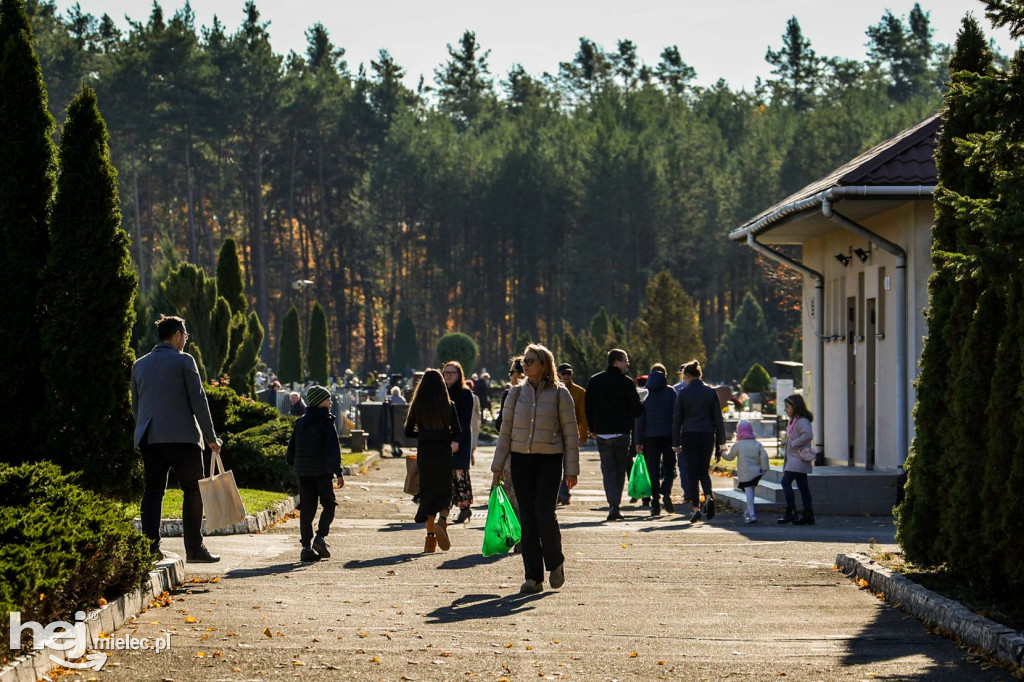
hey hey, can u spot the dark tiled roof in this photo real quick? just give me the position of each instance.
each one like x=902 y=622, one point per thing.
x=907 y=158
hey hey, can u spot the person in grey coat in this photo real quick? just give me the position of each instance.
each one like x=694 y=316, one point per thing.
x=172 y=421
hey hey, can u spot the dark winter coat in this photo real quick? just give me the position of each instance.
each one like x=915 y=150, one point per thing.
x=298 y=409
x=612 y=402
x=314 y=448
x=452 y=433
x=698 y=410
x=463 y=399
x=656 y=421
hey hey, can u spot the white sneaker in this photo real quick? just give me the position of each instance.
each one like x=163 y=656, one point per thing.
x=749 y=519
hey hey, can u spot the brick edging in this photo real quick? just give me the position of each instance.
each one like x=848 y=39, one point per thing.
x=165 y=576
x=1003 y=642
x=252 y=523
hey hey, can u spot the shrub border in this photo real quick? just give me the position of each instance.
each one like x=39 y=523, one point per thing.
x=951 y=616
x=168 y=574
x=252 y=523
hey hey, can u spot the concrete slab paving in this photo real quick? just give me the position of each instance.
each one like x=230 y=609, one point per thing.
x=644 y=599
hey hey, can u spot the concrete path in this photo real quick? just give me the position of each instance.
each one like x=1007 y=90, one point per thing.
x=644 y=599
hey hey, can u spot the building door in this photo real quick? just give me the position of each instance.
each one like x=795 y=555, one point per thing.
x=869 y=366
x=851 y=378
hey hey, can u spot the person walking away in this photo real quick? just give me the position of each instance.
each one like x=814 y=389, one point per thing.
x=698 y=430
x=172 y=421
x=482 y=390
x=434 y=422
x=654 y=439
x=462 y=487
x=314 y=455
x=751 y=464
x=641 y=390
x=799 y=460
x=539 y=434
x=579 y=399
x=612 y=405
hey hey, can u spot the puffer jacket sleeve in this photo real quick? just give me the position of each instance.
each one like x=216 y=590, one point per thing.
x=570 y=431
x=508 y=413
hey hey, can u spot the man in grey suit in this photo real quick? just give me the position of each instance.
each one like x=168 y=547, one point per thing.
x=172 y=420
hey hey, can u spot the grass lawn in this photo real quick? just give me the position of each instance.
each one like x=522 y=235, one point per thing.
x=254 y=500
x=352 y=458
x=728 y=467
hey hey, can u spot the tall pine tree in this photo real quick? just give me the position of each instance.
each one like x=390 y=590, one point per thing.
x=90 y=287
x=746 y=340
x=289 y=357
x=28 y=175
x=316 y=354
x=668 y=330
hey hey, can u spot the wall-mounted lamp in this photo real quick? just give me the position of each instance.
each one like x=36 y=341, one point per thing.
x=843 y=258
x=862 y=254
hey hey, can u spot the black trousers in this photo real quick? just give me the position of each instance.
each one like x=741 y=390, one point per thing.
x=314 y=489
x=536 y=479
x=661 y=465
x=696 y=450
x=186 y=460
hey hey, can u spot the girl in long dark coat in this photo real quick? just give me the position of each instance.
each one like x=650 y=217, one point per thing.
x=462 y=491
x=434 y=423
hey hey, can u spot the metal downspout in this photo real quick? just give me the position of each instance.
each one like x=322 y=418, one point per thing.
x=818 y=397
x=902 y=371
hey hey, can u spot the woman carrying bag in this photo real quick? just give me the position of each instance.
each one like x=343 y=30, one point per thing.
x=799 y=461
x=538 y=433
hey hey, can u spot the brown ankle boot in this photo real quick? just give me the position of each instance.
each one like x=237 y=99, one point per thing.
x=431 y=544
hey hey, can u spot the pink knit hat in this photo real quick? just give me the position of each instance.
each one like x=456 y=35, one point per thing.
x=744 y=430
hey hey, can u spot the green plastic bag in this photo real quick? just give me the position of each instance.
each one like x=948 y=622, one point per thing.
x=502 y=530
x=639 y=479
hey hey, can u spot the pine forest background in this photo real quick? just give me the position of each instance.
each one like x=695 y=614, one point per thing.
x=500 y=205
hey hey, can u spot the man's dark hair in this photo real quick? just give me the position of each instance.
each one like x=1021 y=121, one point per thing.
x=614 y=355
x=167 y=325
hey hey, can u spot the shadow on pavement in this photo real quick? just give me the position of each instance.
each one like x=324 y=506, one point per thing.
x=396 y=526
x=471 y=560
x=481 y=606
x=276 y=569
x=382 y=561
x=584 y=524
x=685 y=525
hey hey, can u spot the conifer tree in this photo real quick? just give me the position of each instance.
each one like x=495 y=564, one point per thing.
x=27 y=177
x=746 y=340
x=668 y=330
x=289 y=357
x=522 y=341
x=407 y=352
x=316 y=354
x=460 y=347
x=242 y=373
x=207 y=314
x=230 y=283
x=90 y=286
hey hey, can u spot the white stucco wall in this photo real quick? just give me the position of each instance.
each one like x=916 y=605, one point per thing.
x=908 y=225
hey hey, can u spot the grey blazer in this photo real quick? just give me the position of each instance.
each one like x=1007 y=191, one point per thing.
x=169 y=400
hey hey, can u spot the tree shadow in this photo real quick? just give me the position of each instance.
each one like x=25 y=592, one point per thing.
x=481 y=606
x=276 y=569
x=471 y=560
x=382 y=561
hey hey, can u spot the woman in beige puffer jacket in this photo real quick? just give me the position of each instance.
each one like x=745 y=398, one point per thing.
x=538 y=432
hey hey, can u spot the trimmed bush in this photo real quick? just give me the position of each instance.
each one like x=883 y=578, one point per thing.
x=757 y=380
x=460 y=347
x=62 y=547
x=256 y=456
x=233 y=413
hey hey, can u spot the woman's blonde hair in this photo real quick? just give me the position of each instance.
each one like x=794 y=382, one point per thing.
x=547 y=362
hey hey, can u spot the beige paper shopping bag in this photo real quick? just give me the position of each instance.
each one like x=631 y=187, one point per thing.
x=221 y=502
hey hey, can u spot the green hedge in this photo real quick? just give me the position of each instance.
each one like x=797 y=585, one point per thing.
x=233 y=413
x=62 y=548
x=256 y=456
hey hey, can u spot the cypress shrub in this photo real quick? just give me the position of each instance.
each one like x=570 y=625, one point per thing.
x=242 y=374
x=207 y=314
x=316 y=355
x=233 y=413
x=27 y=177
x=757 y=380
x=230 y=283
x=90 y=287
x=289 y=356
x=256 y=456
x=460 y=347
x=745 y=341
x=407 y=351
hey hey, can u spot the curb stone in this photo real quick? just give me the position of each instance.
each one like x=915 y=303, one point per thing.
x=252 y=523
x=354 y=469
x=168 y=574
x=1004 y=642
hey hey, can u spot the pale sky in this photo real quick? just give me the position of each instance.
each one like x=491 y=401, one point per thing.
x=724 y=39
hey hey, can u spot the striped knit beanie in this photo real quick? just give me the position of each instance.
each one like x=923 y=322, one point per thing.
x=316 y=395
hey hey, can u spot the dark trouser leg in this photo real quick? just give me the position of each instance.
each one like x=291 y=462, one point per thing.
x=308 y=495
x=186 y=461
x=653 y=459
x=524 y=479
x=805 y=492
x=684 y=478
x=328 y=503
x=613 y=472
x=662 y=449
x=538 y=476
x=697 y=449
x=787 y=489
x=150 y=510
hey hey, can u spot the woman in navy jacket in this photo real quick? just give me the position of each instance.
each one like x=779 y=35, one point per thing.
x=697 y=428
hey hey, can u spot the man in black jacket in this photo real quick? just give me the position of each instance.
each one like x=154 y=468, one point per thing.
x=612 y=405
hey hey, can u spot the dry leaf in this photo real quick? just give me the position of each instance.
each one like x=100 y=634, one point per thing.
x=375 y=659
x=624 y=545
x=102 y=602
x=862 y=582
x=267 y=633
x=190 y=619
x=529 y=648
x=215 y=580
x=298 y=663
x=661 y=662
x=632 y=654
x=236 y=670
x=200 y=654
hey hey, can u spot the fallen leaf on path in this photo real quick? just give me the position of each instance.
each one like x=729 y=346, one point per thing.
x=191 y=619
x=632 y=654
x=862 y=582
x=267 y=633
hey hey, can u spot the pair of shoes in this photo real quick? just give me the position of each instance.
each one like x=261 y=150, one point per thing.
x=669 y=507
x=709 y=508
x=749 y=519
x=557 y=578
x=790 y=516
x=655 y=510
x=696 y=516
x=464 y=515
x=321 y=548
x=308 y=555
x=806 y=520
x=202 y=556
x=561 y=502
x=615 y=515
x=441 y=530
x=430 y=545
x=646 y=502
x=531 y=587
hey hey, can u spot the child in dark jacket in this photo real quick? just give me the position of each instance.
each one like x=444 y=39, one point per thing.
x=314 y=454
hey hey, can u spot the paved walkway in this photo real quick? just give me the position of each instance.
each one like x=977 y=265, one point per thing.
x=644 y=599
